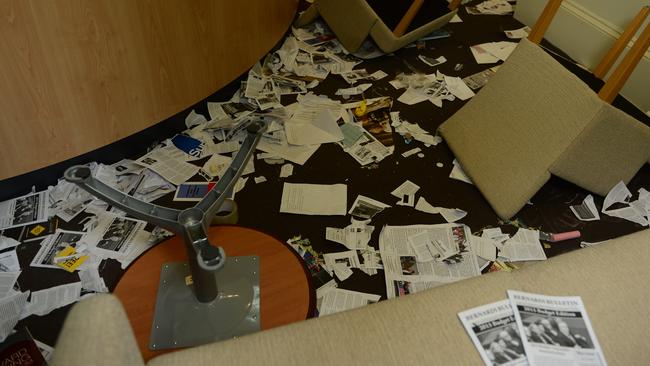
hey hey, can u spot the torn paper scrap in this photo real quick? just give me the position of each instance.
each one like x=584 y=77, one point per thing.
x=286 y=170
x=175 y=171
x=411 y=152
x=355 y=90
x=458 y=88
x=314 y=199
x=586 y=211
x=518 y=33
x=449 y=214
x=338 y=300
x=458 y=173
x=432 y=61
x=366 y=207
x=482 y=56
x=483 y=247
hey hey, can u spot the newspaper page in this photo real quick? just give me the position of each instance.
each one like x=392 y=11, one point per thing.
x=114 y=236
x=494 y=332
x=557 y=328
x=10 y=311
x=44 y=301
x=52 y=245
x=404 y=274
x=337 y=300
x=175 y=171
x=24 y=210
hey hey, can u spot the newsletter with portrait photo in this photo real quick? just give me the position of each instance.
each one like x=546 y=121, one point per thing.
x=556 y=329
x=494 y=332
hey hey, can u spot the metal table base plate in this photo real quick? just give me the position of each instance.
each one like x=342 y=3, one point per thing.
x=180 y=320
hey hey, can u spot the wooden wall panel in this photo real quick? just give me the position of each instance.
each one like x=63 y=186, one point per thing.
x=76 y=75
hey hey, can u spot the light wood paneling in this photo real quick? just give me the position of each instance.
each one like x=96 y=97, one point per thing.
x=79 y=74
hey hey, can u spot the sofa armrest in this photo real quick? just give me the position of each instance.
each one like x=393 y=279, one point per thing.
x=97 y=332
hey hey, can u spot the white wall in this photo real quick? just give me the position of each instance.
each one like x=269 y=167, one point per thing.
x=586 y=29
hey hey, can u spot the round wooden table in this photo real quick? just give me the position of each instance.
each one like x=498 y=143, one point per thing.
x=286 y=295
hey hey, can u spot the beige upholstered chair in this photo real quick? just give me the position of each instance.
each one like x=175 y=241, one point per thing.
x=534 y=118
x=354 y=20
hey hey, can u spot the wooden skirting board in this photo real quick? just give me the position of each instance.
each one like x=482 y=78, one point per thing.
x=78 y=75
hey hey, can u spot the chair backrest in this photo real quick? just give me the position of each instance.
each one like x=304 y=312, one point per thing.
x=510 y=134
x=351 y=20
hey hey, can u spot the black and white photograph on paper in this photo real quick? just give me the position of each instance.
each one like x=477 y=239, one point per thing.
x=493 y=331
x=114 y=236
x=117 y=235
x=24 y=210
x=556 y=329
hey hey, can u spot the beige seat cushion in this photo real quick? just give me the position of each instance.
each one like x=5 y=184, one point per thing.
x=423 y=328
x=527 y=119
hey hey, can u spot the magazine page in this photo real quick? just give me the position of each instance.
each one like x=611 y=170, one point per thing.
x=494 y=332
x=557 y=329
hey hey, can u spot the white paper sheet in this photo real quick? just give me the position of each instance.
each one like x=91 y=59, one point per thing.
x=314 y=199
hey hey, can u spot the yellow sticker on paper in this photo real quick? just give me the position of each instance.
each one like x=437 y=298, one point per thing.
x=71 y=264
x=37 y=230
